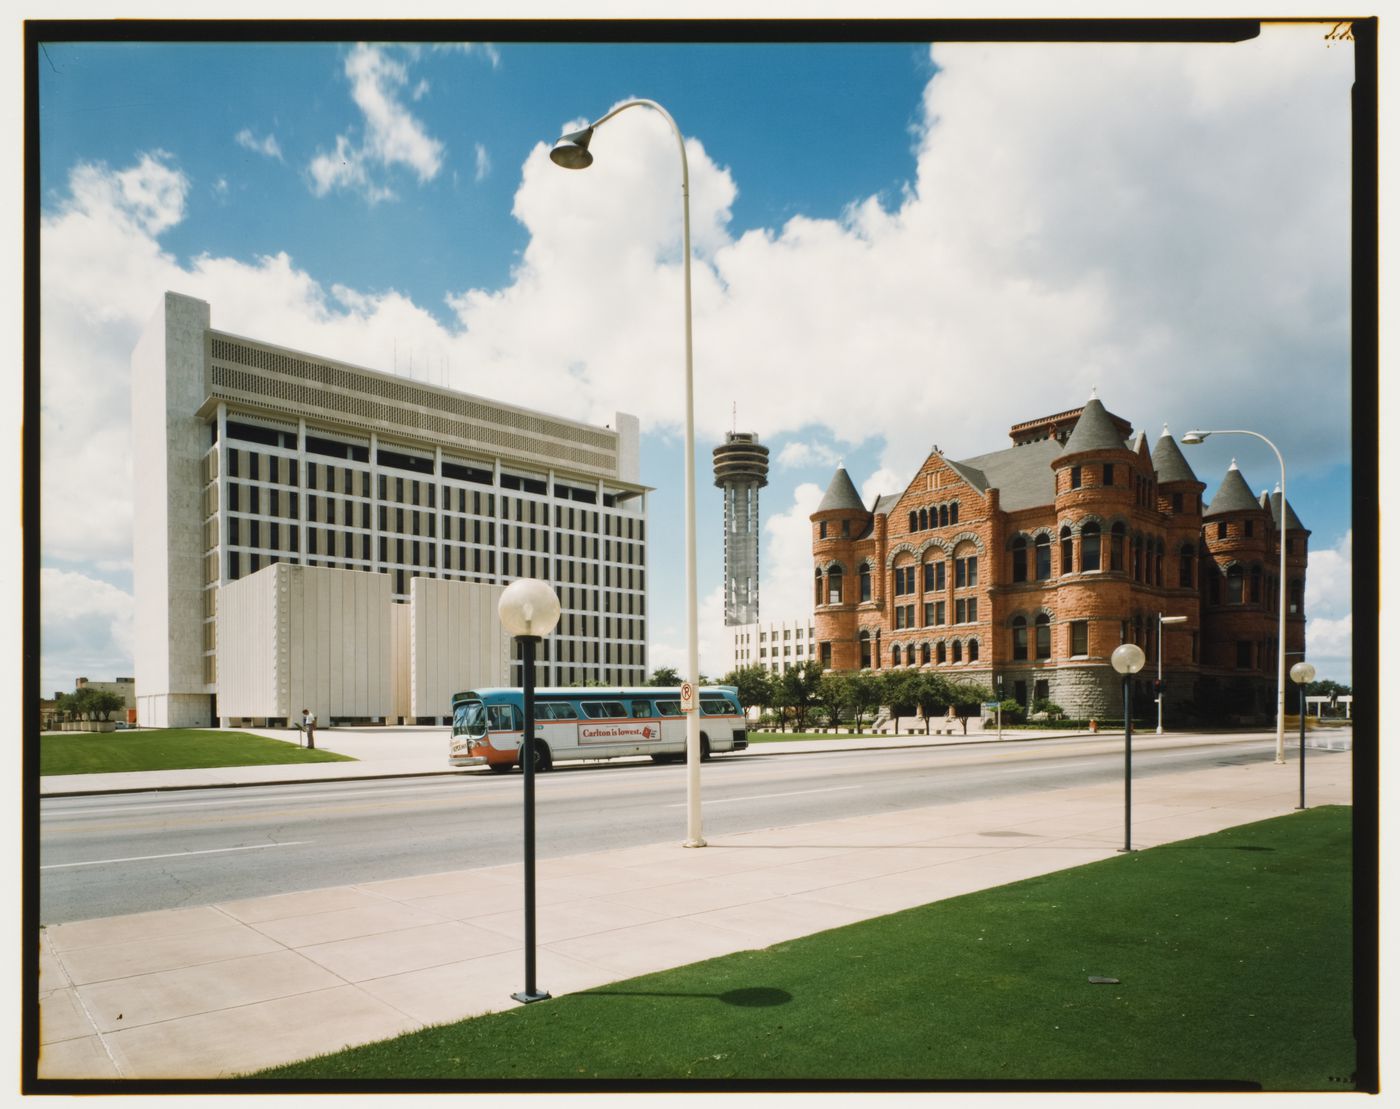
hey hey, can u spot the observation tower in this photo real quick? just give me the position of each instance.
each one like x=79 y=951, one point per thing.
x=741 y=470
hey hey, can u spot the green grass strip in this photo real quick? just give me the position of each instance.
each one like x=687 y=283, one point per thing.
x=1232 y=951
x=168 y=749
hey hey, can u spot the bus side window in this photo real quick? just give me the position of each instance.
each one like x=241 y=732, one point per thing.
x=668 y=708
x=713 y=706
x=613 y=708
x=505 y=718
x=562 y=710
x=641 y=710
x=592 y=709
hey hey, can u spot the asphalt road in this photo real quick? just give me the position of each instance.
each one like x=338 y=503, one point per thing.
x=128 y=853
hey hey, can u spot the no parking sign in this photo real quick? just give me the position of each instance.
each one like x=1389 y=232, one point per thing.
x=687 y=697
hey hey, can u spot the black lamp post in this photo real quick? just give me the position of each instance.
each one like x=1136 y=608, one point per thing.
x=1302 y=673
x=1127 y=659
x=529 y=610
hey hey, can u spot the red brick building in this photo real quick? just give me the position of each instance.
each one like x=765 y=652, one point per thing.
x=1028 y=566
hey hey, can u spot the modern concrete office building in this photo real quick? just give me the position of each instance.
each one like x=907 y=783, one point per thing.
x=249 y=455
x=775 y=646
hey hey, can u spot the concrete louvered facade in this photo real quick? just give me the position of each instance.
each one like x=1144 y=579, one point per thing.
x=1024 y=568
x=249 y=455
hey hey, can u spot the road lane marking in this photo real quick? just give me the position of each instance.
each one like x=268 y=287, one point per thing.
x=177 y=854
x=767 y=796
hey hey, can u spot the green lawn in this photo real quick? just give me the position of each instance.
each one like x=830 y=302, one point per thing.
x=168 y=749
x=1233 y=954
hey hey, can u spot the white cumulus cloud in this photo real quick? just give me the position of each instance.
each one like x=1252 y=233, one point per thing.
x=86 y=630
x=267 y=146
x=393 y=136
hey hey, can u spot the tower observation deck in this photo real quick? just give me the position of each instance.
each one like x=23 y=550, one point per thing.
x=741 y=470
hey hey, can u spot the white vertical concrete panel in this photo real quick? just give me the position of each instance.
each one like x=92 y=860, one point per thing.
x=248 y=646
x=457 y=642
x=401 y=664
x=168 y=442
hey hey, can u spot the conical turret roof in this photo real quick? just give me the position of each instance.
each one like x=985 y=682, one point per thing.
x=1169 y=462
x=1270 y=501
x=841 y=495
x=1234 y=495
x=1094 y=430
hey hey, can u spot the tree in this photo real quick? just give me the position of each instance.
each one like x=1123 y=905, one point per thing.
x=665 y=676
x=754 y=685
x=94 y=704
x=865 y=693
x=967 y=697
x=933 y=695
x=798 y=685
x=833 y=694
x=900 y=690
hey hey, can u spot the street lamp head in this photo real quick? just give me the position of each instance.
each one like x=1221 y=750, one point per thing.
x=1127 y=658
x=528 y=608
x=1303 y=672
x=1194 y=437
x=1172 y=619
x=571 y=151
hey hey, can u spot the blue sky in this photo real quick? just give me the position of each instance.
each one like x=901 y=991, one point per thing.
x=896 y=245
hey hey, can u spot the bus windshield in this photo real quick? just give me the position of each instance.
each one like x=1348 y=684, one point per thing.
x=469 y=719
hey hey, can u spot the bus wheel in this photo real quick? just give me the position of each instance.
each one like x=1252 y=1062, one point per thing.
x=542 y=760
x=501 y=767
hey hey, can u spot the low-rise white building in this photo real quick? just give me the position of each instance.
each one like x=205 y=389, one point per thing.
x=774 y=646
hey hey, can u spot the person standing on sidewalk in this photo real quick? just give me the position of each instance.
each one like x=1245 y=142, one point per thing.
x=308 y=725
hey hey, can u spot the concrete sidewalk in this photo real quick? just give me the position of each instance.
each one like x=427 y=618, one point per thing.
x=228 y=988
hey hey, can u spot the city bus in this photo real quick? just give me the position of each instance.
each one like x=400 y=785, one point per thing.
x=591 y=722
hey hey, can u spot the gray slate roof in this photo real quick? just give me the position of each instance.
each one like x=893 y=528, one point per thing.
x=841 y=495
x=1233 y=495
x=1094 y=431
x=1022 y=475
x=1169 y=462
x=1270 y=501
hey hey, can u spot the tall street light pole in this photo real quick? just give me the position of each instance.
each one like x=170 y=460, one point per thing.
x=1302 y=673
x=1127 y=659
x=571 y=152
x=529 y=609
x=1194 y=437
x=1162 y=620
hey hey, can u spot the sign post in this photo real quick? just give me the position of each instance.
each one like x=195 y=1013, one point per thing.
x=687 y=697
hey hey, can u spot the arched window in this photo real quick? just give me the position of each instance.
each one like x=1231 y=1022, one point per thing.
x=865 y=650
x=1115 y=546
x=864 y=574
x=941 y=652
x=1042 y=636
x=833 y=586
x=1066 y=550
x=1018 y=558
x=1256 y=588
x=953 y=513
x=957 y=650
x=913 y=521
x=943 y=515
x=1042 y=556
x=1089 y=547
x=972 y=650
x=818 y=595
x=923 y=519
x=1020 y=641
x=1157 y=560
x=1295 y=597
x=924 y=653
x=1187 y=575
x=1234 y=586
x=894 y=655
